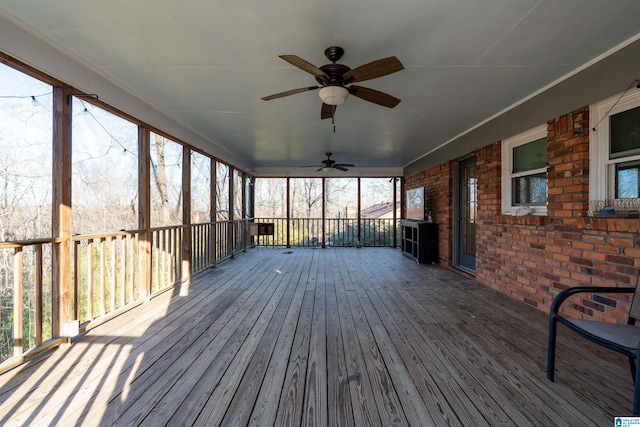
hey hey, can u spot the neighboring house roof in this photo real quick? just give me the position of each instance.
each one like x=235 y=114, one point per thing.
x=380 y=210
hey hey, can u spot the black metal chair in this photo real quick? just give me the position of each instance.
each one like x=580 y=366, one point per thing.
x=619 y=337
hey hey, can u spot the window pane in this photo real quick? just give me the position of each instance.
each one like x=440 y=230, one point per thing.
x=166 y=181
x=105 y=170
x=237 y=195
x=628 y=180
x=25 y=156
x=306 y=211
x=530 y=190
x=271 y=198
x=222 y=192
x=530 y=156
x=306 y=197
x=377 y=198
x=341 y=197
x=200 y=188
x=471 y=209
x=249 y=196
x=341 y=221
x=625 y=133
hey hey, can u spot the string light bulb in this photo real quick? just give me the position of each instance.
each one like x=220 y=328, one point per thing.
x=34 y=101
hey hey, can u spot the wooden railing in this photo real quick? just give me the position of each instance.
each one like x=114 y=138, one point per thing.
x=106 y=275
x=26 y=299
x=112 y=272
x=309 y=232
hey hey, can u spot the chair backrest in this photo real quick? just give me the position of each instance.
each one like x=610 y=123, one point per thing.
x=634 y=312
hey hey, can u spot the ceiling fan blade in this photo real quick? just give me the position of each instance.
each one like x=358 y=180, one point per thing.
x=305 y=66
x=346 y=165
x=373 y=70
x=327 y=111
x=374 y=96
x=340 y=168
x=289 y=92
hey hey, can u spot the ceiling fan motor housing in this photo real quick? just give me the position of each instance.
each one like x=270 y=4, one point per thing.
x=335 y=73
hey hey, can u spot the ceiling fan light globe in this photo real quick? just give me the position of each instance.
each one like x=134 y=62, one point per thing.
x=333 y=95
x=327 y=169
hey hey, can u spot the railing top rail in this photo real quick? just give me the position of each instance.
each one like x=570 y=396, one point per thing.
x=228 y=221
x=79 y=237
x=320 y=219
x=32 y=242
x=169 y=227
x=199 y=224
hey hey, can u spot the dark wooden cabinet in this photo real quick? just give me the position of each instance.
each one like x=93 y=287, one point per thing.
x=419 y=241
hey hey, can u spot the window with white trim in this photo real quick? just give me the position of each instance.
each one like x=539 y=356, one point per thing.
x=524 y=177
x=614 y=170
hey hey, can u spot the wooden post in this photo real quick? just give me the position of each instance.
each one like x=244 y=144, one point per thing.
x=324 y=199
x=243 y=202
x=395 y=215
x=231 y=225
x=144 y=211
x=18 y=288
x=186 y=214
x=61 y=210
x=213 y=214
x=359 y=214
x=288 y=212
x=38 y=314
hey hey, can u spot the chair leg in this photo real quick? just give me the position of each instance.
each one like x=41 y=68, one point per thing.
x=632 y=366
x=551 y=349
x=636 y=391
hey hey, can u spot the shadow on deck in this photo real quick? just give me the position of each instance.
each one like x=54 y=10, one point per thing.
x=333 y=336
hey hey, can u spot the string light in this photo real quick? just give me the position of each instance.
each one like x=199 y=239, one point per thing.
x=87 y=112
x=24 y=96
x=636 y=82
x=34 y=101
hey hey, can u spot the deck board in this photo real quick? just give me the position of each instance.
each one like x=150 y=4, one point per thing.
x=321 y=337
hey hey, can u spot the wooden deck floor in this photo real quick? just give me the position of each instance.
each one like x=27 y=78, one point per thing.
x=325 y=337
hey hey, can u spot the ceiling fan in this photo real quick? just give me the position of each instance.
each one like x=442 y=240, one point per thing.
x=333 y=80
x=328 y=165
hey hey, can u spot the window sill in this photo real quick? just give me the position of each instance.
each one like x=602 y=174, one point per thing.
x=623 y=225
x=617 y=225
x=534 y=220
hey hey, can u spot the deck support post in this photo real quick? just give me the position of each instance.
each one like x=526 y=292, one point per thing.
x=62 y=309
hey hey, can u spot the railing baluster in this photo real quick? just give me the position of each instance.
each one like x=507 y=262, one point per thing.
x=17 y=303
x=135 y=267
x=38 y=285
x=162 y=254
x=90 y=280
x=76 y=279
x=123 y=270
x=171 y=235
x=103 y=278
x=111 y=243
x=129 y=277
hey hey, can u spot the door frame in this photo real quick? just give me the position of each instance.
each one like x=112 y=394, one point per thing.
x=455 y=229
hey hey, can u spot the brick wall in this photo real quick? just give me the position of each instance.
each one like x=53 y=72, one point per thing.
x=532 y=258
x=437 y=183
